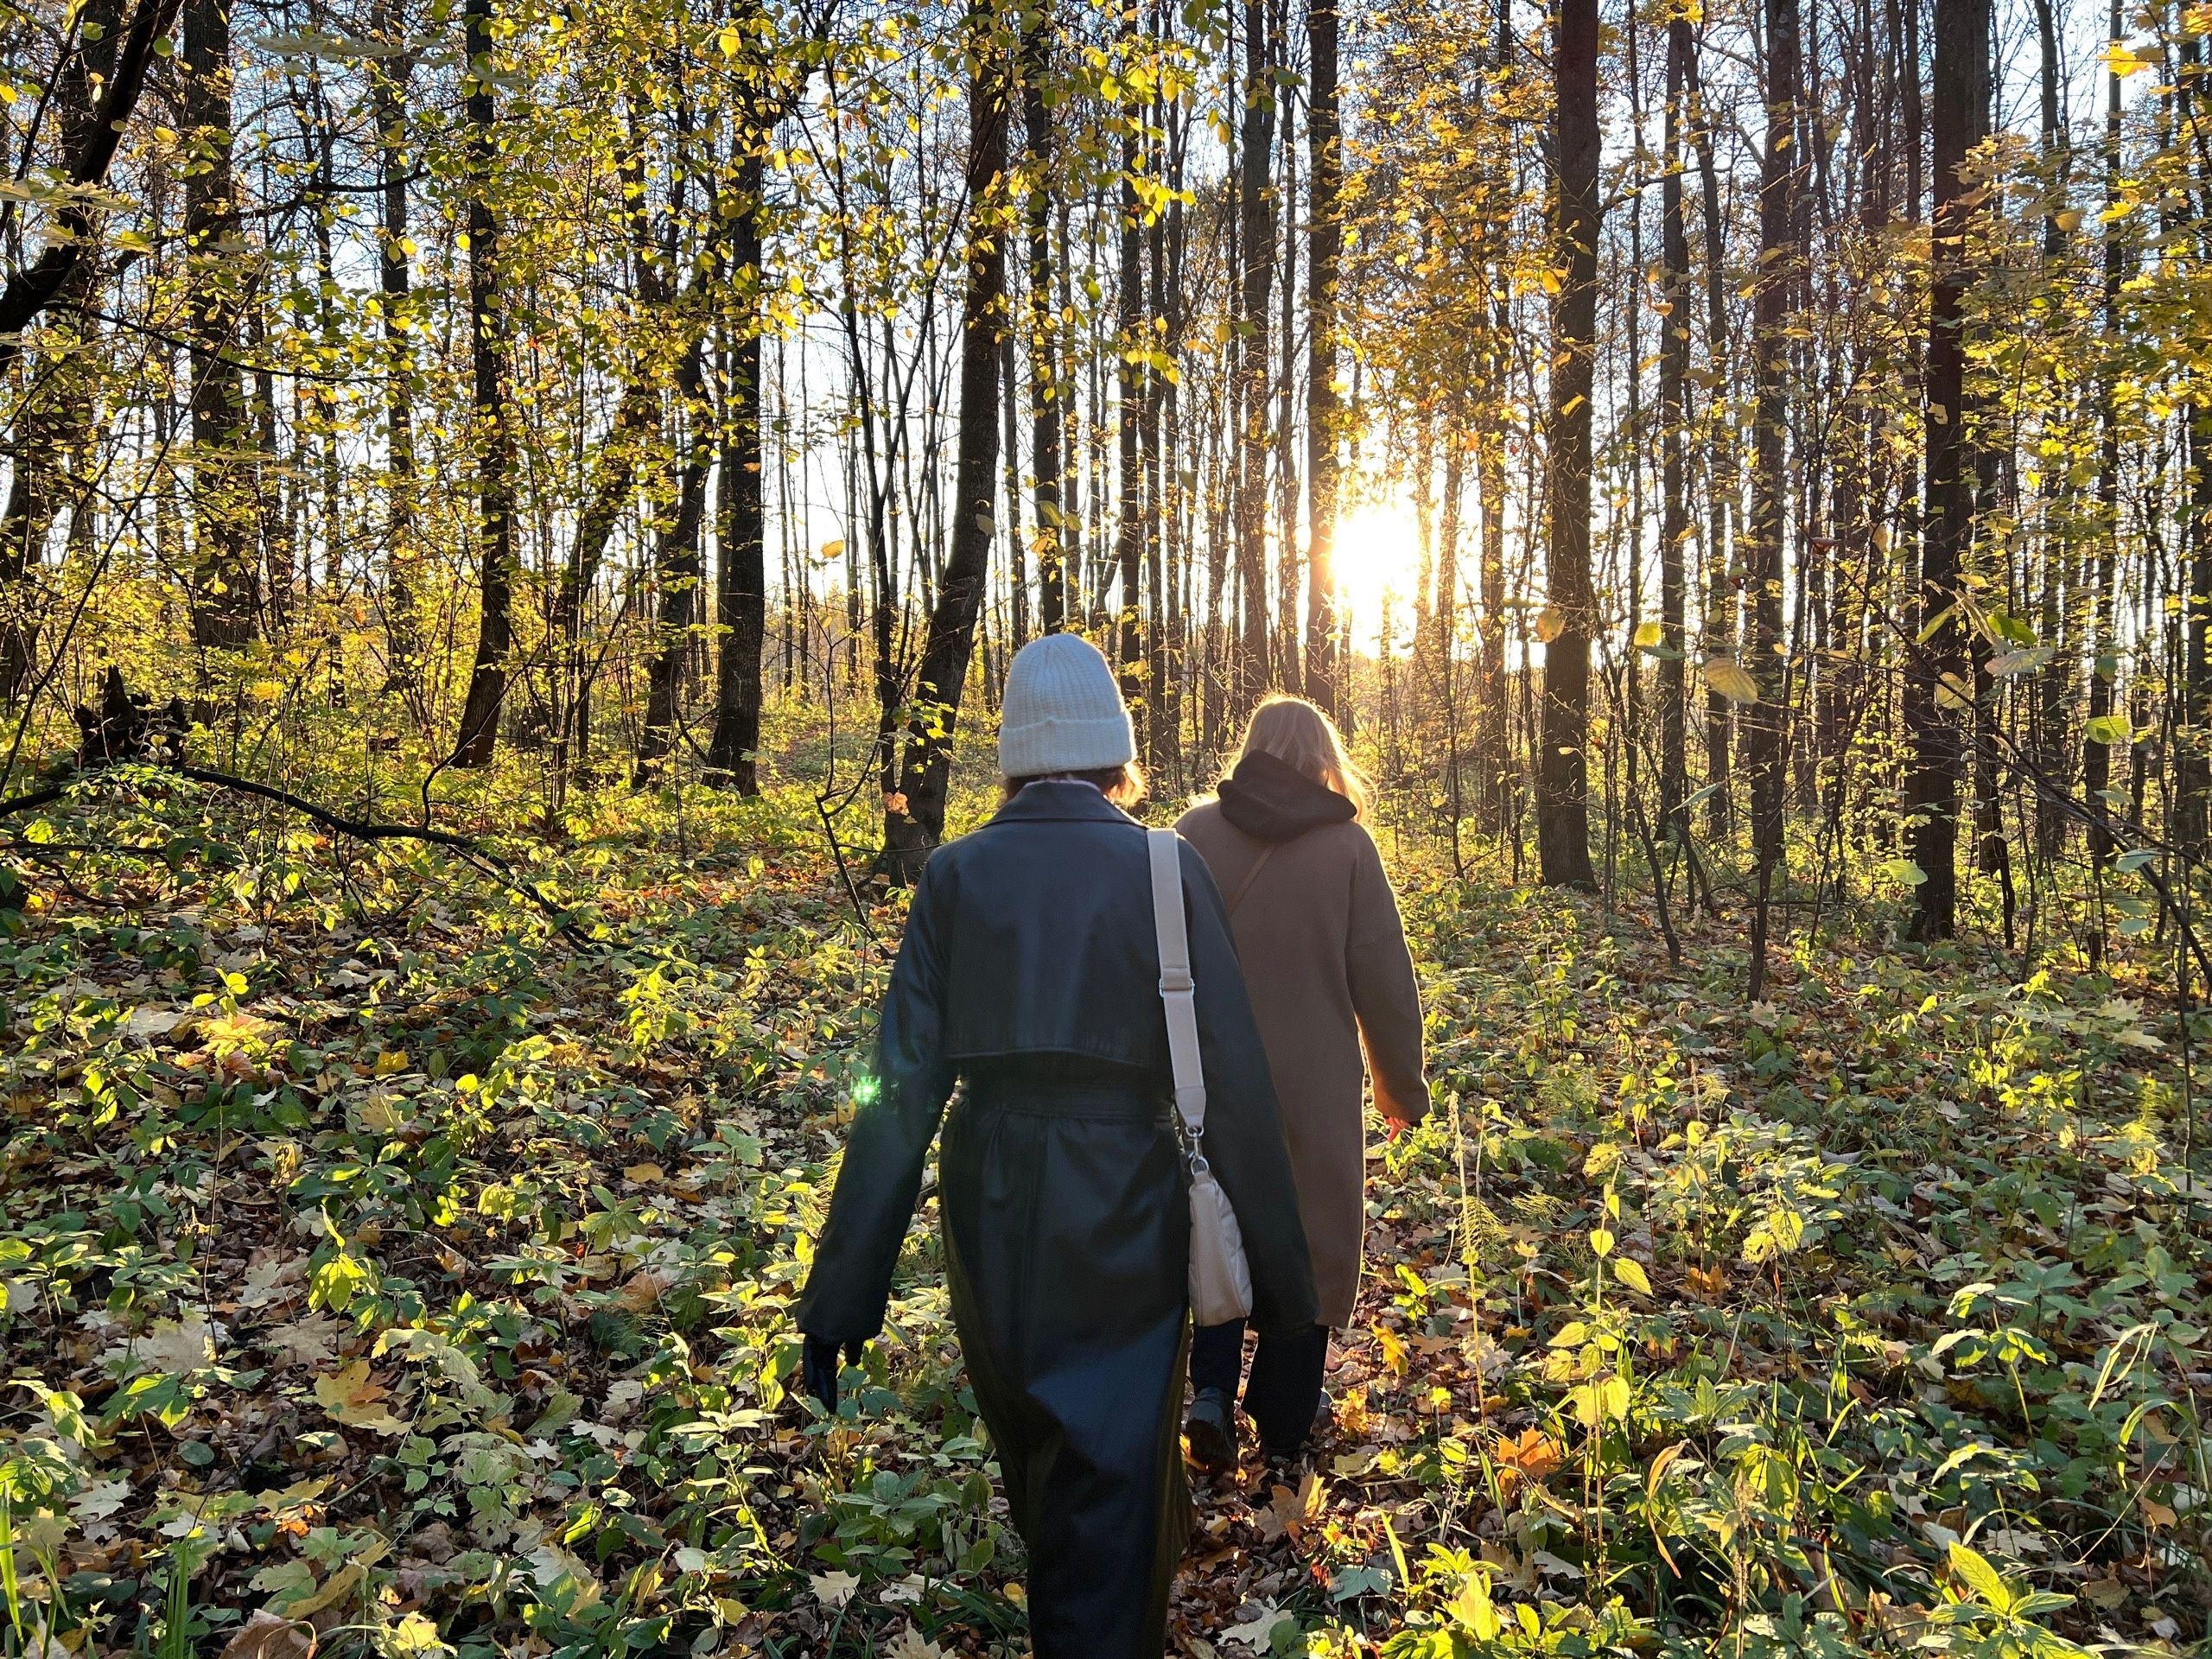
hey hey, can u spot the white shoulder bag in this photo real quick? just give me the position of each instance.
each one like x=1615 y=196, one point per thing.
x=1221 y=1279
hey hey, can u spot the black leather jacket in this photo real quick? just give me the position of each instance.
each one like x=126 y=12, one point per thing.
x=1032 y=937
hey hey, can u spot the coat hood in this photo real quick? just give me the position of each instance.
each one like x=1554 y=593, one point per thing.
x=1270 y=799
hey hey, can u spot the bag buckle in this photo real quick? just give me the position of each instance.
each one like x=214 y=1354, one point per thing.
x=1177 y=982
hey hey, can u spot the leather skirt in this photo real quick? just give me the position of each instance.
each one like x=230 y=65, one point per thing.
x=1067 y=1244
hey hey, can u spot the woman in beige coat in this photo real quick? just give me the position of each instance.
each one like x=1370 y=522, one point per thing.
x=1325 y=957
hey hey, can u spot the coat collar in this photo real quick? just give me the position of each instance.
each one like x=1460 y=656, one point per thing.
x=1061 y=802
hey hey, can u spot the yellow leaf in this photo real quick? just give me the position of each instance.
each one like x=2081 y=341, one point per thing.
x=1630 y=1272
x=644 y=1173
x=351 y=1396
x=392 y=1062
x=1649 y=634
x=1394 y=1349
x=1731 y=679
x=1601 y=1243
x=1549 y=623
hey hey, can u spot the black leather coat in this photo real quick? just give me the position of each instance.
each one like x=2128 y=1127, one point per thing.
x=1030 y=970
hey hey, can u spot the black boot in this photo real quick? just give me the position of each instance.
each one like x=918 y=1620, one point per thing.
x=1211 y=1431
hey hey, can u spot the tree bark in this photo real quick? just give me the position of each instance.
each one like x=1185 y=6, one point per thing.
x=1938 y=697
x=394 y=284
x=1048 y=395
x=677 y=566
x=225 y=598
x=1674 y=420
x=1562 y=771
x=55 y=412
x=1325 y=246
x=1256 y=238
x=492 y=438
x=913 y=827
x=741 y=592
x=1779 y=267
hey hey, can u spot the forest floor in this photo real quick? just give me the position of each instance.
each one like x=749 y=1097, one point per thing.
x=383 y=1269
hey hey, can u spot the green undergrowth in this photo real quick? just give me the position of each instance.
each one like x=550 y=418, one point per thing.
x=379 y=1264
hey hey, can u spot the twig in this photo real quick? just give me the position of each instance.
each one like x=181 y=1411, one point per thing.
x=357 y=829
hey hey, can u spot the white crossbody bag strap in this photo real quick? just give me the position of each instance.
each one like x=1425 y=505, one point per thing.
x=1178 y=993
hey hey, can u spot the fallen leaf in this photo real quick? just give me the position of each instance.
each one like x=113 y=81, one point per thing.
x=1253 y=1630
x=351 y=1396
x=342 y=1584
x=833 y=1589
x=2106 y=1593
x=305 y=1342
x=645 y=1173
x=1394 y=1349
x=174 y=1347
x=1532 y=1455
x=146 y=1024
x=913 y=1644
x=268 y=1635
x=1294 y=1511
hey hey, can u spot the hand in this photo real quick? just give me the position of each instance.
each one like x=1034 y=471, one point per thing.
x=819 y=1367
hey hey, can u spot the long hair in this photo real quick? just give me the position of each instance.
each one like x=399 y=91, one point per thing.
x=1298 y=732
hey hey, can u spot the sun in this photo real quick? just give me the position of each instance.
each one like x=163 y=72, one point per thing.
x=1378 y=558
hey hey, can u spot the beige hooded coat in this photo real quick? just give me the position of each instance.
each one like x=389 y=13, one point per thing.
x=1325 y=962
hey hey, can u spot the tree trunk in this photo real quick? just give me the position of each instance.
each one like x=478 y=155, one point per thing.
x=1131 y=341
x=402 y=633
x=53 y=419
x=2096 y=747
x=1325 y=245
x=1718 y=629
x=741 y=579
x=911 y=828
x=1048 y=395
x=676 y=567
x=1674 y=420
x=1777 y=279
x=1562 y=771
x=1256 y=236
x=225 y=598
x=1938 y=697
x=494 y=439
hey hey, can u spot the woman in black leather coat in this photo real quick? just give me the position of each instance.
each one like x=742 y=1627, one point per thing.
x=1029 y=974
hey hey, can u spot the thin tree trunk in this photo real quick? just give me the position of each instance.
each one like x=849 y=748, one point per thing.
x=1325 y=245
x=741 y=578
x=1938 y=697
x=1256 y=235
x=1562 y=773
x=394 y=282
x=1674 y=420
x=493 y=436
x=914 y=826
x=225 y=598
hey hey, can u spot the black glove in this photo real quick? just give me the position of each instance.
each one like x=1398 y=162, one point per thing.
x=819 y=1367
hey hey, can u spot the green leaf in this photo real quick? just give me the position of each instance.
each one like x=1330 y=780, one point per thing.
x=1904 y=870
x=2110 y=728
x=1980 y=1577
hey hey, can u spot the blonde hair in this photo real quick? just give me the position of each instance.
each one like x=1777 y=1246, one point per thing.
x=1298 y=733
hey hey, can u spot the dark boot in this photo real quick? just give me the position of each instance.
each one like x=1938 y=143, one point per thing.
x=1211 y=1431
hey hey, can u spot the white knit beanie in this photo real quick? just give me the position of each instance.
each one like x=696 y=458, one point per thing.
x=1063 y=712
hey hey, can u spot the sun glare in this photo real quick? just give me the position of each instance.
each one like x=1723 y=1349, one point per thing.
x=1378 y=555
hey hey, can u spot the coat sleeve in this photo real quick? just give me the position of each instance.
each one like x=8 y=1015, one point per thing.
x=1244 y=1135
x=891 y=1131
x=1384 y=996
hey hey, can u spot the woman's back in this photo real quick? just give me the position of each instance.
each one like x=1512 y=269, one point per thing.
x=1325 y=960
